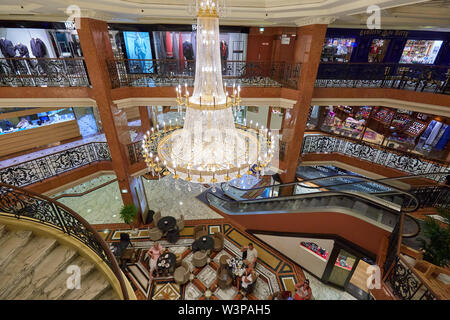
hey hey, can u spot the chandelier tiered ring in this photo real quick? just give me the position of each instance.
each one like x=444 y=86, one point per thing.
x=209 y=148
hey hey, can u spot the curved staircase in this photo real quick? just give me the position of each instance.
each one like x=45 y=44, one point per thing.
x=34 y=267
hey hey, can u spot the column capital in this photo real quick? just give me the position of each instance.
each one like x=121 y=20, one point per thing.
x=305 y=21
x=94 y=14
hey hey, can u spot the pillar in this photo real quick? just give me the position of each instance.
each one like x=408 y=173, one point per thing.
x=145 y=115
x=96 y=46
x=308 y=49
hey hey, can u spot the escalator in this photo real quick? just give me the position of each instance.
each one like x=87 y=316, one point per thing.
x=376 y=202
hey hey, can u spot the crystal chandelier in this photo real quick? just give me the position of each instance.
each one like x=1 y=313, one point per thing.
x=209 y=147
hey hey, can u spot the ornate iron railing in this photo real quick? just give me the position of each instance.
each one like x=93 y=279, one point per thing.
x=405 y=284
x=432 y=196
x=37 y=208
x=385 y=156
x=416 y=77
x=43 y=72
x=51 y=165
x=162 y=73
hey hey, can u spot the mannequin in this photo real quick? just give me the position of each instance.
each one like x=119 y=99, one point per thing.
x=38 y=47
x=23 y=50
x=7 y=49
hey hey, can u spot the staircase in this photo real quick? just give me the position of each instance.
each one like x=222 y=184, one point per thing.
x=34 y=267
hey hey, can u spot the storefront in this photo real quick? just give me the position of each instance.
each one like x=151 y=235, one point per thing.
x=332 y=260
x=400 y=129
x=421 y=51
x=387 y=46
x=177 y=43
x=337 y=49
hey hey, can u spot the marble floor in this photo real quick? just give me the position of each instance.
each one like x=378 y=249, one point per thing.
x=171 y=198
x=322 y=291
x=103 y=205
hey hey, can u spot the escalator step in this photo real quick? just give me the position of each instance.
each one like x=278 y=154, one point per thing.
x=373 y=213
x=360 y=207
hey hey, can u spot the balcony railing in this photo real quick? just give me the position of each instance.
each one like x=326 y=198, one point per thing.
x=385 y=156
x=43 y=72
x=163 y=73
x=51 y=165
x=416 y=77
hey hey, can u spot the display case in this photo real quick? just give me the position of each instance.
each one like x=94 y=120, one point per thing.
x=30 y=128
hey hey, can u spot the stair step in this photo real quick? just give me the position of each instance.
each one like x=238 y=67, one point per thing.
x=13 y=242
x=91 y=287
x=56 y=261
x=109 y=295
x=25 y=260
x=57 y=289
x=3 y=230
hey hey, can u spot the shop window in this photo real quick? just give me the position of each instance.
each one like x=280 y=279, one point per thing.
x=344 y=120
x=399 y=129
x=420 y=51
x=378 y=50
x=337 y=49
x=33 y=120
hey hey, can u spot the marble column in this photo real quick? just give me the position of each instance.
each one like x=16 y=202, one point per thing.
x=308 y=49
x=96 y=46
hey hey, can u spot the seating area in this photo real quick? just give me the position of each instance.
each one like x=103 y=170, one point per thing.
x=205 y=273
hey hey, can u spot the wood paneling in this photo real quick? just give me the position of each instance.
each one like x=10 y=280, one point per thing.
x=40 y=136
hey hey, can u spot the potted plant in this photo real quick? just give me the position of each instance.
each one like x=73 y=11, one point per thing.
x=128 y=213
x=436 y=244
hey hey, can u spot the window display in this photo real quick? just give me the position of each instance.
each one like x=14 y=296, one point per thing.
x=378 y=49
x=399 y=129
x=420 y=51
x=337 y=49
x=15 y=124
x=138 y=47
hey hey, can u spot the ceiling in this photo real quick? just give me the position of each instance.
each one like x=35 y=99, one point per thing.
x=396 y=14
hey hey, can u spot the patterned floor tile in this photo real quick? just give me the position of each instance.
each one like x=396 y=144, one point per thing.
x=207 y=276
x=226 y=294
x=191 y=292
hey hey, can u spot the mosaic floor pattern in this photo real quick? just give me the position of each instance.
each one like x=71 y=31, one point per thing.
x=274 y=273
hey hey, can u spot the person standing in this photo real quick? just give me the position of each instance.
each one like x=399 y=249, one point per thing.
x=154 y=253
x=250 y=255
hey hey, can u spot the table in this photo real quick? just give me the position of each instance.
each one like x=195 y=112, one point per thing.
x=237 y=266
x=166 y=223
x=203 y=243
x=166 y=263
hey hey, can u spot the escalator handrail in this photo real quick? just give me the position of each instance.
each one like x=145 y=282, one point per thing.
x=311 y=195
x=409 y=209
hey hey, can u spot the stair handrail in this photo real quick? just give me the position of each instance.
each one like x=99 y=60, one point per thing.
x=34 y=207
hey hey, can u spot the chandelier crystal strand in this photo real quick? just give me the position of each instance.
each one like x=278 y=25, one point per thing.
x=208 y=147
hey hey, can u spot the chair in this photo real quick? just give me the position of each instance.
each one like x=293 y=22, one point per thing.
x=200 y=231
x=180 y=222
x=218 y=241
x=199 y=259
x=173 y=235
x=182 y=273
x=154 y=234
x=156 y=218
x=224 y=278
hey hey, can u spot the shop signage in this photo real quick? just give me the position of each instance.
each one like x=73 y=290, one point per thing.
x=383 y=33
x=285 y=39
